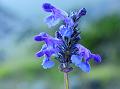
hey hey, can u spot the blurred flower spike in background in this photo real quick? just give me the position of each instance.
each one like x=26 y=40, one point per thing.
x=65 y=45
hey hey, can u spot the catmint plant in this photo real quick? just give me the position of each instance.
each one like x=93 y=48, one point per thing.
x=65 y=45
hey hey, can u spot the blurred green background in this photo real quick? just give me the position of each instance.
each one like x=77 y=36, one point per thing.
x=20 y=20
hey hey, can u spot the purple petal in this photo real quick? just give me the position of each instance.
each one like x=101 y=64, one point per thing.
x=49 y=52
x=60 y=14
x=44 y=47
x=38 y=38
x=48 y=7
x=39 y=54
x=82 y=12
x=47 y=63
x=69 y=21
x=65 y=31
x=42 y=36
x=76 y=59
x=83 y=51
x=87 y=55
x=47 y=39
x=57 y=14
x=85 y=66
x=62 y=29
x=68 y=33
x=58 y=35
x=52 y=20
x=96 y=57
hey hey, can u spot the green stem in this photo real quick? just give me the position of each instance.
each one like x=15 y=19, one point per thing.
x=66 y=80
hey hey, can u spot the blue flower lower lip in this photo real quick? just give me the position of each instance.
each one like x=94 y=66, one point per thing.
x=65 y=45
x=47 y=63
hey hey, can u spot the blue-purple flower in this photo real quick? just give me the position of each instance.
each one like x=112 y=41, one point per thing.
x=56 y=15
x=47 y=63
x=48 y=49
x=65 y=45
x=83 y=57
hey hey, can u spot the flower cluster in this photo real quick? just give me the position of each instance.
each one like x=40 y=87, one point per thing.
x=64 y=46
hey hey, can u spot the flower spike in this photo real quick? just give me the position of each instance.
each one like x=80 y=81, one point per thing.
x=65 y=45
